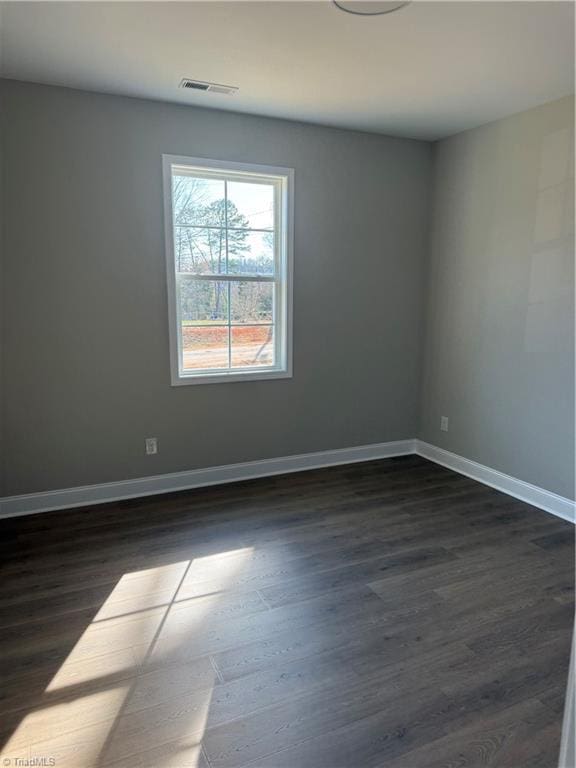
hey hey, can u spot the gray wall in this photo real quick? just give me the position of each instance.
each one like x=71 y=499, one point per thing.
x=2 y=290
x=86 y=339
x=387 y=338
x=499 y=353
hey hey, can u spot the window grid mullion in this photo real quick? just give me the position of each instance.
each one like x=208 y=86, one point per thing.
x=228 y=290
x=233 y=278
x=196 y=324
x=229 y=326
x=232 y=229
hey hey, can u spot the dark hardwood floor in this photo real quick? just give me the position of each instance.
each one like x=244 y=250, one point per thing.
x=389 y=614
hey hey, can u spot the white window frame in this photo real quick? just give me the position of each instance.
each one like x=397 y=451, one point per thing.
x=284 y=228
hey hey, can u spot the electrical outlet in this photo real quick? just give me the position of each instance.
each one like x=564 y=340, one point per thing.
x=444 y=423
x=151 y=445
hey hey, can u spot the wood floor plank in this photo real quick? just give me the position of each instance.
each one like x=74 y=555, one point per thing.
x=390 y=613
x=522 y=735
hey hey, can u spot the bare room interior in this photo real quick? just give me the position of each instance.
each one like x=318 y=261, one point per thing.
x=287 y=425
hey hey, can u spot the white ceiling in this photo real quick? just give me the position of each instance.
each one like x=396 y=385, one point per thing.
x=427 y=71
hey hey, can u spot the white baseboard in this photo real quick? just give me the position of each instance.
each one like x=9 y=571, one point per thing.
x=13 y=506
x=538 y=497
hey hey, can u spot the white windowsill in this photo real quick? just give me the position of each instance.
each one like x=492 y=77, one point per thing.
x=223 y=378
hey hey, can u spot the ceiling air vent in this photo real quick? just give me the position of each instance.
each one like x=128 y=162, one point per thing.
x=200 y=85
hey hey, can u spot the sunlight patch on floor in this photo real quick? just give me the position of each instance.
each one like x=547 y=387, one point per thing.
x=125 y=680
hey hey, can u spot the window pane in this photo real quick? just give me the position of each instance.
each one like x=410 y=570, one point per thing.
x=198 y=201
x=199 y=250
x=251 y=302
x=252 y=345
x=255 y=256
x=250 y=205
x=203 y=302
x=204 y=347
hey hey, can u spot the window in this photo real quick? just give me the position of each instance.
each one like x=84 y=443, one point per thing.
x=228 y=250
